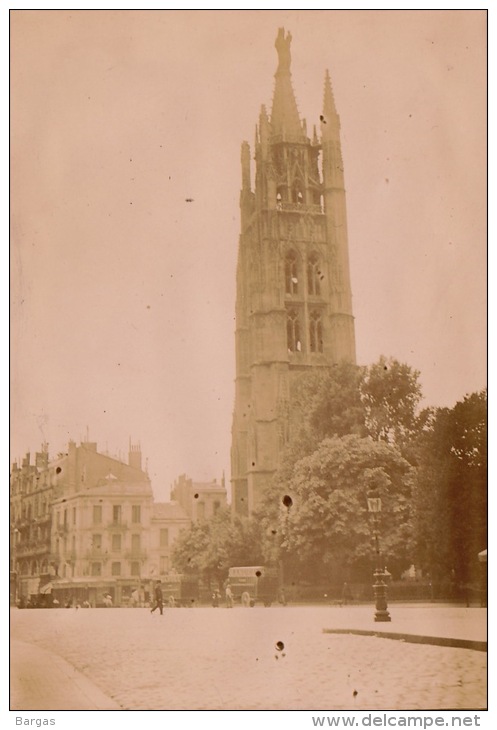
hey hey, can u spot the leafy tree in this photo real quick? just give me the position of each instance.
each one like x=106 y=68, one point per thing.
x=210 y=547
x=381 y=400
x=391 y=394
x=325 y=532
x=328 y=403
x=450 y=495
x=190 y=549
x=346 y=400
x=324 y=403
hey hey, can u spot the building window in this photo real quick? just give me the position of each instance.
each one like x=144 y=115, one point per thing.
x=291 y=273
x=294 y=343
x=136 y=514
x=97 y=514
x=135 y=544
x=74 y=515
x=163 y=564
x=216 y=506
x=201 y=510
x=297 y=194
x=116 y=514
x=116 y=568
x=281 y=196
x=116 y=543
x=314 y=275
x=96 y=568
x=96 y=542
x=315 y=332
x=164 y=537
x=135 y=568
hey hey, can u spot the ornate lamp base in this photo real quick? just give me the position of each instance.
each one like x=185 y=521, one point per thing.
x=380 y=594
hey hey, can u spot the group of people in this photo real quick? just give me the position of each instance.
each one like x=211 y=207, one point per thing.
x=216 y=597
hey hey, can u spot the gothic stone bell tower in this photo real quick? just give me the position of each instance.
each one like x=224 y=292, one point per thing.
x=294 y=301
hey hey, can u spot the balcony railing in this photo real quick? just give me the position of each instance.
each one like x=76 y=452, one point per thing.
x=136 y=555
x=299 y=208
x=292 y=138
x=34 y=547
x=95 y=554
x=117 y=525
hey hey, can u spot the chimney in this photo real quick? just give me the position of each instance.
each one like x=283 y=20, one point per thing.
x=135 y=455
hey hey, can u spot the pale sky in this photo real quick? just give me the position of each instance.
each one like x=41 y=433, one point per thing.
x=123 y=293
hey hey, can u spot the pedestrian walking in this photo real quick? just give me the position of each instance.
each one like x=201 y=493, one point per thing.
x=158 y=598
x=229 y=597
x=346 y=594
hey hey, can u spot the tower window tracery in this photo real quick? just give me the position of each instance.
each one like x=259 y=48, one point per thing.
x=315 y=332
x=281 y=195
x=297 y=193
x=294 y=341
x=291 y=273
x=314 y=275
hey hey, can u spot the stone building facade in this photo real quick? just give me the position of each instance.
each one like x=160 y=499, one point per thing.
x=200 y=500
x=85 y=524
x=32 y=488
x=167 y=521
x=294 y=300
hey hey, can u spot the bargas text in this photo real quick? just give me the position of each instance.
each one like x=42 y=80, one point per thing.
x=38 y=721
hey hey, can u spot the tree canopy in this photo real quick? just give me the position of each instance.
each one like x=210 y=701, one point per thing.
x=210 y=547
x=451 y=491
x=326 y=531
x=353 y=431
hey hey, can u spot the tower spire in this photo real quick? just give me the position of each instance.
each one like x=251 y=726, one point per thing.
x=329 y=117
x=285 y=118
x=293 y=301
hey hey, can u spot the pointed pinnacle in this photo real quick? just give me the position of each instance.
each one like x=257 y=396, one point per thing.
x=329 y=109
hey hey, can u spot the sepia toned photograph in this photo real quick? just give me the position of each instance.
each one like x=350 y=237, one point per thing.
x=248 y=380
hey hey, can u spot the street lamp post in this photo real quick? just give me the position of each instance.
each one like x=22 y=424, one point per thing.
x=379 y=585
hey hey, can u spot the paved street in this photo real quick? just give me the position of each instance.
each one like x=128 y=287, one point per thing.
x=205 y=658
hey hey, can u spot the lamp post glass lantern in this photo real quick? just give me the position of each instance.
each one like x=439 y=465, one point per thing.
x=379 y=585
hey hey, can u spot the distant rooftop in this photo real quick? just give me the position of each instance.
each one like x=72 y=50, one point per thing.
x=169 y=511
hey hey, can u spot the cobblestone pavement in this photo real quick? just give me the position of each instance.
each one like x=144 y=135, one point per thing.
x=257 y=659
